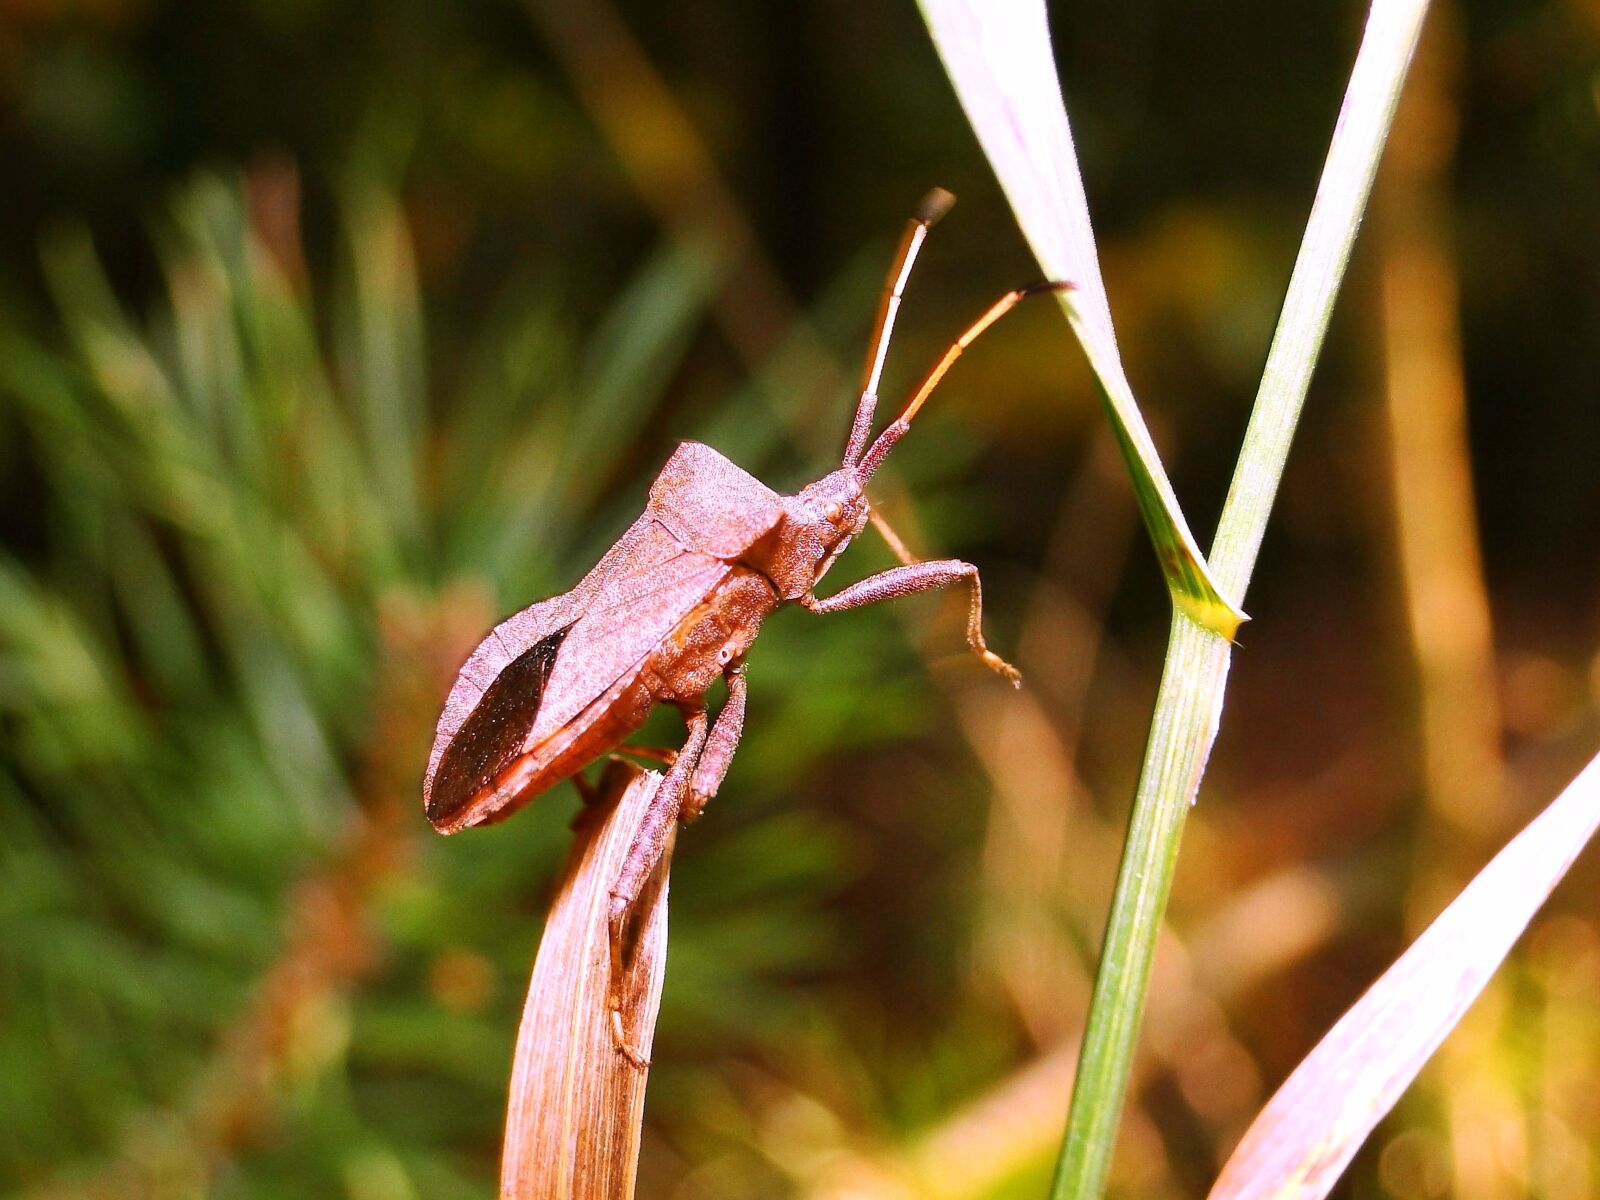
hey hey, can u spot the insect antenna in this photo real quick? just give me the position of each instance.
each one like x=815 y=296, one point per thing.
x=934 y=206
x=897 y=428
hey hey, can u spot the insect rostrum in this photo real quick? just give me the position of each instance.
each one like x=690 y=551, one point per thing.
x=672 y=608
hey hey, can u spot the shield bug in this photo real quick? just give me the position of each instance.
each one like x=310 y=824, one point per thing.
x=672 y=608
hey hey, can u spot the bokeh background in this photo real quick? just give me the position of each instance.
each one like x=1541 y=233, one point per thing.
x=330 y=332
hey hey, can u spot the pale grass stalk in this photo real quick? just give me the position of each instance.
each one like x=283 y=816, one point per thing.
x=1446 y=599
x=999 y=58
x=576 y=1104
x=1435 y=514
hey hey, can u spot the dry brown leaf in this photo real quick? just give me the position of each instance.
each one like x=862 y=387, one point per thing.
x=576 y=1104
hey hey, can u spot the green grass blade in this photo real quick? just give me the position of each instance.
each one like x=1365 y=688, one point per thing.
x=999 y=59
x=1000 y=62
x=1365 y=116
x=1189 y=705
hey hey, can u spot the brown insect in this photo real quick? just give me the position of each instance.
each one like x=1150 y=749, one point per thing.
x=672 y=608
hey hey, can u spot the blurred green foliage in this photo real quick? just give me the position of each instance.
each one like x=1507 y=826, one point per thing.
x=331 y=332
x=212 y=687
x=203 y=706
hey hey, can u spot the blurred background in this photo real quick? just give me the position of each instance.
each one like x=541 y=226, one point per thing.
x=330 y=332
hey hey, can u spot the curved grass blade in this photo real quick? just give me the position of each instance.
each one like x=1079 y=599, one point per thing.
x=1309 y=1131
x=999 y=58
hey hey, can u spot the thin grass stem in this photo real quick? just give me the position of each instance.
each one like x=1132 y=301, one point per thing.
x=1189 y=704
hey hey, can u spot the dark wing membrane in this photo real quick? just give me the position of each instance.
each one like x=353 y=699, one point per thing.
x=492 y=737
x=518 y=633
x=504 y=645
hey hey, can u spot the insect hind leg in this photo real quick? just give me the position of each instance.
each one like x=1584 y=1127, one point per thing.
x=664 y=755
x=590 y=793
x=643 y=856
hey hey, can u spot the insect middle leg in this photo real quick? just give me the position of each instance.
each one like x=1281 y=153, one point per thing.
x=717 y=757
x=921 y=577
x=643 y=855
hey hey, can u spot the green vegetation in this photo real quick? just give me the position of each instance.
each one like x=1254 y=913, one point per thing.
x=330 y=335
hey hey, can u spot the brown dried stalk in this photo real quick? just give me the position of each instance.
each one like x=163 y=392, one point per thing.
x=576 y=1104
x=1446 y=595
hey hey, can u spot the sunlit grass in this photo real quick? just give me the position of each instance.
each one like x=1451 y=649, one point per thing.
x=1004 y=74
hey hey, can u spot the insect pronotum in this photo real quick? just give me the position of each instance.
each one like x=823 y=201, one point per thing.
x=672 y=608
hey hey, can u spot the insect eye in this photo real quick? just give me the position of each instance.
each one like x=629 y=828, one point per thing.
x=834 y=511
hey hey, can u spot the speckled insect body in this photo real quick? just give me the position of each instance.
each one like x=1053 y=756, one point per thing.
x=672 y=608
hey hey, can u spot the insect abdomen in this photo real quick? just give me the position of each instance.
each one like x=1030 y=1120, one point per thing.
x=696 y=653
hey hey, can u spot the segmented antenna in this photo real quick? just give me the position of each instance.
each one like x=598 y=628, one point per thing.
x=897 y=428
x=928 y=213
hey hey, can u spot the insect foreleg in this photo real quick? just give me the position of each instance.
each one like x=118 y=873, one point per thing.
x=720 y=745
x=921 y=577
x=649 y=840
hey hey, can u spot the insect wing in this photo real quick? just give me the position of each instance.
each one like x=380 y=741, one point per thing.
x=638 y=609
x=494 y=732
x=518 y=633
x=710 y=504
x=538 y=670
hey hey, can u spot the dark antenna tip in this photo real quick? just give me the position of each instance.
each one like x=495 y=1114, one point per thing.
x=934 y=206
x=1047 y=285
